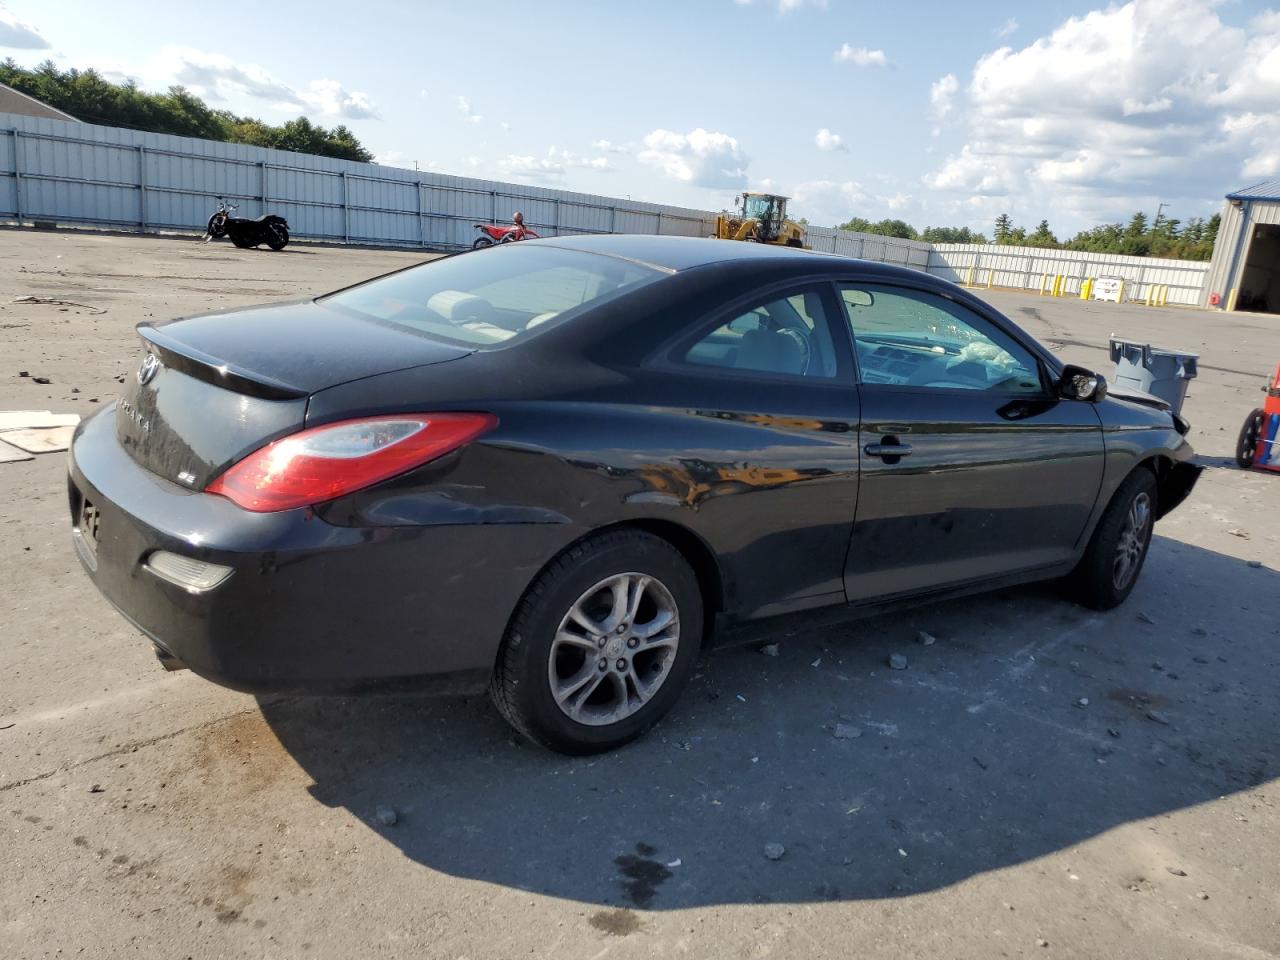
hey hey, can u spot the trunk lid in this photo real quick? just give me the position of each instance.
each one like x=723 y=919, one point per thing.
x=213 y=388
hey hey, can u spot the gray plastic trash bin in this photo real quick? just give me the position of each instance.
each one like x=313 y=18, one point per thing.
x=1155 y=370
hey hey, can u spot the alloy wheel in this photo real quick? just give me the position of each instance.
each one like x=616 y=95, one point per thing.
x=1132 y=542
x=614 y=649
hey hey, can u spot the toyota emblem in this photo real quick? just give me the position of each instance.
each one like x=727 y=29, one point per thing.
x=147 y=371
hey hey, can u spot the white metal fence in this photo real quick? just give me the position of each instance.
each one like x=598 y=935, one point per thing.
x=79 y=173
x=1034 y=268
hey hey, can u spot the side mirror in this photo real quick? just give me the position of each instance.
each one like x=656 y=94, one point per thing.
x=1078 y=383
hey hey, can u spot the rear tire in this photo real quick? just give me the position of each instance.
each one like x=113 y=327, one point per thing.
x=601 y=644
x=481 y=243
x=1115 y=556
x=277 y=237
x=1247 y=442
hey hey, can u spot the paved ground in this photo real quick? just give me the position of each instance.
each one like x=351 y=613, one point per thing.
x=983 y=811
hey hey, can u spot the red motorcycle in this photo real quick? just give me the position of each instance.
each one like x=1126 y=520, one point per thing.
x=491 y=233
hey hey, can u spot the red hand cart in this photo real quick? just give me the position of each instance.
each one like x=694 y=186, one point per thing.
x=1259 y=443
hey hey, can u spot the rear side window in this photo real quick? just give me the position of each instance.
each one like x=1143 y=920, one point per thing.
x=496 y=295
x=785 y=335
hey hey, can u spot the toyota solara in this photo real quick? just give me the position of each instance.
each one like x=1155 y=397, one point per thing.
x=564 y=467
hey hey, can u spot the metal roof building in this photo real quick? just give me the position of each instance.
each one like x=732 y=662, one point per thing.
x=15 y=101
x=1245 y=271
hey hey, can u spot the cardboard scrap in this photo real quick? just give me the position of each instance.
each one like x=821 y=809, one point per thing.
x=40 y=440
x=10 y=454
x=25 y=419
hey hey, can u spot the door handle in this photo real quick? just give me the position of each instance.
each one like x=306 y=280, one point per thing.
x=890 y=449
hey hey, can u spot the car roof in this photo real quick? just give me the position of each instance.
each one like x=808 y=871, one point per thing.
x=681 y=253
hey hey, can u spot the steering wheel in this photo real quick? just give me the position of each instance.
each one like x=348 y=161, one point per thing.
x=794 y=330
x=805 y=340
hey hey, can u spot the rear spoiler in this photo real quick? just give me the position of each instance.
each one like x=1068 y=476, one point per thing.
x=179 y=356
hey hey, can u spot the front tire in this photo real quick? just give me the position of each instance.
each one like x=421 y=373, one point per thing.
x=601 y=644
x=1115 y=556
x=1247 y=442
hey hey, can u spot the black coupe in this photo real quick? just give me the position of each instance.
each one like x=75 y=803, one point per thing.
x=565 y=466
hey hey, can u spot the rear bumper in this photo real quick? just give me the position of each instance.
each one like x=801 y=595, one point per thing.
x=309 y=606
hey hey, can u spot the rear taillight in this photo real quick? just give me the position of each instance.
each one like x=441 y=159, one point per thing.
x=327 y=462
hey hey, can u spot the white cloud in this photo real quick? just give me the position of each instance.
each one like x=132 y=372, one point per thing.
x=828 y=141
x=1132 y=107
x=827 y=202
x=464 y=108
x=17 y=35
x=1151 y=100
x=1007 y=28
x=217 y=78
x=700 y=157
x=550 y=167
x=331 y=98
x=942 y=94
x=860 y=56
x=608 y=146
x=786 y=6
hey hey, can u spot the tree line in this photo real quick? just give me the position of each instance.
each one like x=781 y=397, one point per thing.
x=1166 y=237
x=88 y=96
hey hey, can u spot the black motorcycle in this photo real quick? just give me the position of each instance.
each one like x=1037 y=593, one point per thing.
x=245 y=233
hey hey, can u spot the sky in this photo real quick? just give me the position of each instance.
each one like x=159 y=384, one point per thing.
x=939 y=113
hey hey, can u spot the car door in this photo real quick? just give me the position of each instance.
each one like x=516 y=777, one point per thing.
x=766 y=465
x=972 y=468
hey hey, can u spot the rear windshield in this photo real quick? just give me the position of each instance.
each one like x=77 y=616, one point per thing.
x=496 y=295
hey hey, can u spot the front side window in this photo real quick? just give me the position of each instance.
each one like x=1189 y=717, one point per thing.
x=786 y=335
x=909 y=338
x=493 y=296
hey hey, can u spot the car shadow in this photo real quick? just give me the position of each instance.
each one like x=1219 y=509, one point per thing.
x=1028 y=726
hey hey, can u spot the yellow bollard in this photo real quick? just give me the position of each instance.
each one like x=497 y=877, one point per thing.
x=1086 y=288
x=1057 y=285
x=1044 y=278
x=968 y=277
x=1120 y=293
x=1231 y=300
x=1164 y=295
x=991 y=275
x=1151 y=289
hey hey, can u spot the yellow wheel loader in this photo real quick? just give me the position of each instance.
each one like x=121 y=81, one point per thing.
x=761 y=218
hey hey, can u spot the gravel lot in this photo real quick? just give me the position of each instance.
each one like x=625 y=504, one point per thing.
x=1041 y=781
